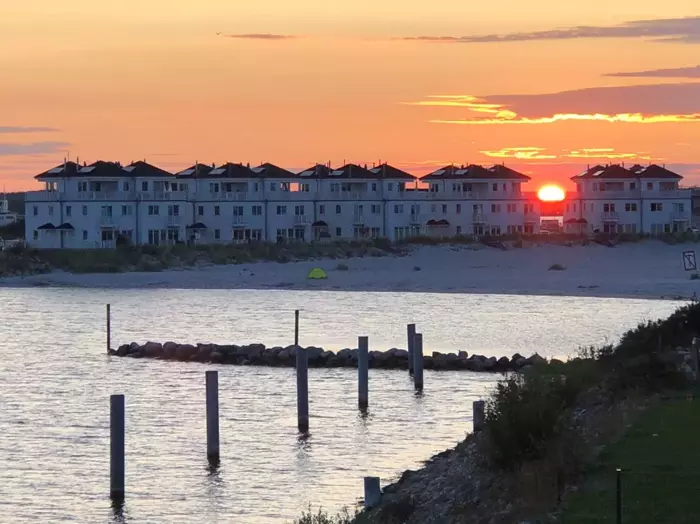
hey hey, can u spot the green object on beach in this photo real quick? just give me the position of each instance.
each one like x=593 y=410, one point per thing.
x=317 y=274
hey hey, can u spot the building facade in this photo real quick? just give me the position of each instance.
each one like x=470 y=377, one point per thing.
x=639 y=199
x=105 y=203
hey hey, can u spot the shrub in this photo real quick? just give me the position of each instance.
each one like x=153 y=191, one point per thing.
x=342 y=267
x=694 y=276
x=557 y=267
x=416 y=268
x=321 y=517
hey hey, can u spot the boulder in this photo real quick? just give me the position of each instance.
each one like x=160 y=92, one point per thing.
x=169 y=349
x=503 y=364
x=463 y=355
x=475 y=364
x=284 y=356
x=152 y=349
x=398 y=353
x=216 y=357
x=123 y=350
x=185 y=352
x=536 y=360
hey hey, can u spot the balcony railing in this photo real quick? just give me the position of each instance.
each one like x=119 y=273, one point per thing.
x=106 y=221
x=478 y=218
x=680 y=216
x=41 y=196
x=416 y=218
x=611 y=216
x=233 y=196
x=175 y=220
x=358 y=218
x=161 y=195
x=105 y=196
x=531 y=217
x=301 y=220
x=239 y=220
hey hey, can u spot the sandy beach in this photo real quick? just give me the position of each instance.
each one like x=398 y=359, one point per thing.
x=643 y=270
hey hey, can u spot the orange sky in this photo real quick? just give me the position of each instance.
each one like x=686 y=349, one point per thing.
x=148 y=79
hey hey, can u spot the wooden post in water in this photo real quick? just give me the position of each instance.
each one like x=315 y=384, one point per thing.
x=117 y=429
x=478 y=415
x=418 y=362
x=296 y=327
x=363 y=372
x=302 y=389
x=109 y=328
x=373 y=492
x=695 y=355
x=212 y=386
x=411 y=328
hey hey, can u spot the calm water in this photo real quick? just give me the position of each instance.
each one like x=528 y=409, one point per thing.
x=56 y=381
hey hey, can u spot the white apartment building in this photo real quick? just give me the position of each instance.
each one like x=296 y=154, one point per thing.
x=98 y=205
x=639 y=199
x=7 y=217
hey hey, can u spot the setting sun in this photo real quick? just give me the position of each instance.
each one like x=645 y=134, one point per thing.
x=551 y=193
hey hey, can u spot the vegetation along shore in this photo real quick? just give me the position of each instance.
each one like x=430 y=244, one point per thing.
x=555 y=436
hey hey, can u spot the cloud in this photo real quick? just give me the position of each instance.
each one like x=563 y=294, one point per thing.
x=679 y=30
x=541 y=153
x=679 y=72
x=34 y=148
x=258 y=36
x=26 y=129
x=650 y=104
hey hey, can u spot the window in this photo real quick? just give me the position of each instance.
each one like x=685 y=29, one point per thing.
x=84 y=235
x=657 y=206
x=281 y=210
x=434 y=188
x=126 y=211
x=444 y=209
x=633 y=186
x=680 y=207
x=608 y=208
x=200 y=211
x=174 y=211
x=322 y=209
x=433 y=208
x=374 y=187
x=374 y=232
x=459 y=230
x=458 y=208
x=650 y=185
x=82 y=187
x=144 y=186
x=495 y=187
x=50 y=210
x=495 y=208
x=630 y=207
x=511 y=208
x=304 y=188
x=217 y=234
x=154 y=210
x=298 y=210
x=390 y=187
x=273 y=187
x=36 y=210
x=125 y=186
x=107 y=211
x=84 y=211
x=398 y=209
x=217 y=211
x=238 y=211
x=69 y=209
x=337 y=209
x=257 y=211
x=339 y=231
x=375 y=209
x=36 y=235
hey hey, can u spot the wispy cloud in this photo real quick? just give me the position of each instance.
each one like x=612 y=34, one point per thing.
x=542 y=153
x=26 y=129
x=652 y=104
x=258 y=36
x=681 y=30
x=34 y=148
x=678 y=72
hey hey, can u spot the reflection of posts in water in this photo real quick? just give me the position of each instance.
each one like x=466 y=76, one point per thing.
x=418 y=361
x=116 y=444
x=212 y=386
x=373 y=492
x=363 y=372
x=411 y=329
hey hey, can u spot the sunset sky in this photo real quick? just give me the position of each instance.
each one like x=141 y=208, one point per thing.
x=544 y=86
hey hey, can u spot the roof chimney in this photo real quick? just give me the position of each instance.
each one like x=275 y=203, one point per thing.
x=247 y=164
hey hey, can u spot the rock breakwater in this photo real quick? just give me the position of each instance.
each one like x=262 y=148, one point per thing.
x=260 y=355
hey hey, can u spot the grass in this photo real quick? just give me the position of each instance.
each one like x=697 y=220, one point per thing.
x=660 y=459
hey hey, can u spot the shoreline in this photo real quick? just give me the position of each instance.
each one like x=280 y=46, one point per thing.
x=644 y=270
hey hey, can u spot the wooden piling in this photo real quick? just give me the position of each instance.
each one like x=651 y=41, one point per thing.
x=117 y=429
x=411 y=329
x=418 y=362
x=302 y=360
x=109 y=328
x=478 y=415
x=373 y=491
x=212 y=395
x=363 y=372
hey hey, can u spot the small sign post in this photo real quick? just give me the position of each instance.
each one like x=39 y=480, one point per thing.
x=689 y=262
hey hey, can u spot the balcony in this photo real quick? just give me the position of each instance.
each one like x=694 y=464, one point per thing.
x=358 y=218
x=680 y=216
x=233 y=196
x=239 y=221
x=416 y=218
x=532 y=218
x=107 y=221
x=301 y=220
x=611 y=216
x=175 y=220
x=104 y=196
x=42 y=196
x=478 y=218
x=154 y=196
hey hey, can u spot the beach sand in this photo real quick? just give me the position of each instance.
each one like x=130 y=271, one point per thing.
x=648 y=269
